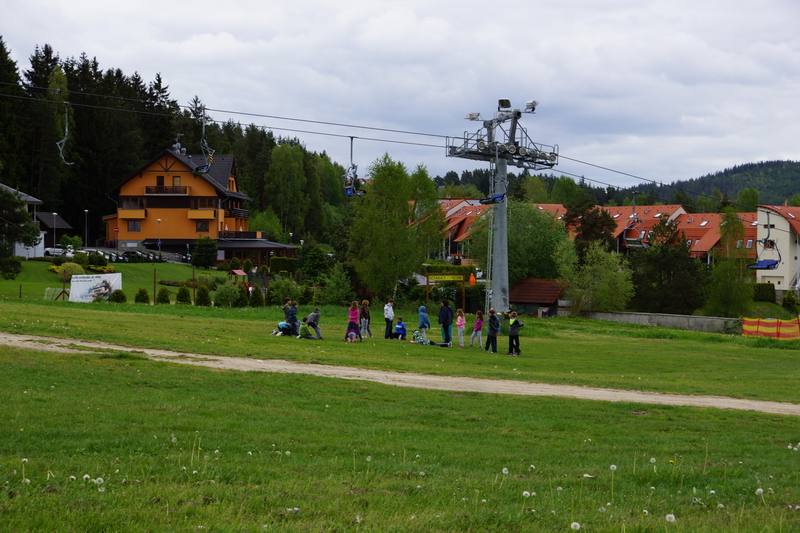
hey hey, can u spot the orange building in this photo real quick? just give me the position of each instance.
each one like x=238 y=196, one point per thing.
x=175 y=199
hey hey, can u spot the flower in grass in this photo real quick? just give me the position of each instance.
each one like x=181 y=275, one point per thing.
x=101 y=489
x=602 y=509
x=422 y=473
x=86 y=477
x=505 y=471
x=26 y=481
x=99 y=481
x=645 y=512
x=526 y=494
x=712 y=492
x=24 y=460
x=759 y=492
x=670 y=518
x=652 y=459
x=369 y=458
x=72 y=478
x=358 y=519
x=575 y=526
x=559 y=489
x=613 y=467
x=720 y=506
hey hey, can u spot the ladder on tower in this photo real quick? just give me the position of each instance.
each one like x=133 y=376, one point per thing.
x=490 y=239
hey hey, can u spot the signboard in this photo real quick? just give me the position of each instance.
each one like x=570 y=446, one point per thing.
x=116 y=230
x=445 y=277
x=87 y=288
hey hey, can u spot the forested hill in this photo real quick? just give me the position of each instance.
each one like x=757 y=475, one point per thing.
x=775 y=181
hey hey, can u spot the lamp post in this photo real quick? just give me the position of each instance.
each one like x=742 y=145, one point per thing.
x=54 y=231
x=290 y=237
x=159 y=238
x=85 y=227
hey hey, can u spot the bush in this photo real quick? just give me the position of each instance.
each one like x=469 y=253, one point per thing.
x=281 y=288
x=203 y=297
x=98 y=260
x=70 y=269
x=170 y=282
x=764 y=292
x=208 y=280
x=279 y=264
x=790 y=302
x=224 y=266
x=81 y=258
x=118 y=297
x=184 y=296
x=236 y=264
x=163 y=296
x=142 y=297
x=59 y=260
x=226 y=296
x=102 y=269
x=256 y=297
x=10 y=267
x=242 y=299
x=247 y=266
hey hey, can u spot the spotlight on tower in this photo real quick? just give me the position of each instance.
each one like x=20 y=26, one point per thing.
x=503 y=103
x=530 y=106
x=473 y=116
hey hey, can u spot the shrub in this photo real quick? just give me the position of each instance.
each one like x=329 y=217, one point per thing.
x=102 y=269
x=226 y=296
x=790 y=302
x=764 y=292
x=170 y=282
x=118 y=297
x=236 y=264
x=224 y=266
x=208 y=280
x=81 y=258
x=163 y=296
x=70 y=269
x=256 y=297
x=184 y=296
x=279 y=264
x=203 y=296
x=281 y=288
x=242 y=298
x=59 y=260
x=10 y=267
x=142 y=297
x=98 y=260
x=247 y=266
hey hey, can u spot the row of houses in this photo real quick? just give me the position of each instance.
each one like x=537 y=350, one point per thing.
x=772 y=233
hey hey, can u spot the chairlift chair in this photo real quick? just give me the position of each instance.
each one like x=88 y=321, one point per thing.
x=767 y=244
x=494 y=199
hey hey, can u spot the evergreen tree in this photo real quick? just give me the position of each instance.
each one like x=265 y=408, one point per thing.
x=205 y=253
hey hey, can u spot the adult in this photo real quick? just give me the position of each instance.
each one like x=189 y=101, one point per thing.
x=388 y=315
x=446 y=321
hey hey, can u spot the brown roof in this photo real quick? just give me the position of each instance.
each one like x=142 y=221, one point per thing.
x=536 y=291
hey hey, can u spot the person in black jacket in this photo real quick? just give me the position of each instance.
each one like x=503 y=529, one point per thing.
x=493 y=331
x=446 y=321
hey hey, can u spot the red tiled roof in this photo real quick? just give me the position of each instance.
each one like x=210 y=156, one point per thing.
x=536 y=291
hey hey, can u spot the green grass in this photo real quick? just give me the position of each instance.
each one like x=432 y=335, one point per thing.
x=185 y=449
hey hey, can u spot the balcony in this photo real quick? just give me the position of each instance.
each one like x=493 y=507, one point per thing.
x=240 y=235
x=237 y=213
x=202 y=214
x=170 y=190
x=132 y=214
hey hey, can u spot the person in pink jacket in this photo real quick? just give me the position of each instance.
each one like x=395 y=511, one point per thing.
x=477 y=329
x=461 y=323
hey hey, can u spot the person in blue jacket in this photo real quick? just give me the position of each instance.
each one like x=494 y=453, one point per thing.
x=399 y=330
x=424 y=322
x=446 y=321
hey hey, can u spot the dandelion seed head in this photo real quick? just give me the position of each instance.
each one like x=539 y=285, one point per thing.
x=670 y=518
x=720 y=506
x=602 y=509
x=645 y=512
x=72 y=478
x=712 y=492
x=86 y=477
x=249 y=453
x=288 y=452
x=101 y=489
x=369 y=458
x=526 y=494
x=559 y=489
x=24 y=460
x=505 y=470
x=652 y=459
x=575 y=526
x=759 y=492
x=613 y=467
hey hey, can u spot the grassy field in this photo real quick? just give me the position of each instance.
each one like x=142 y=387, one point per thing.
x=110 y=441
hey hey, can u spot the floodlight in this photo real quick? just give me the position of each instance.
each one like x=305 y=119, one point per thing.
x=530 y=106
x=504 y=103
x=473 y=116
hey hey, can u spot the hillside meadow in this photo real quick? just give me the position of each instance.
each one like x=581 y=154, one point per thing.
x=104 y=440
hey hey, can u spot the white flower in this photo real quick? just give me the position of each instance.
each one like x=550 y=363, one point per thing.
x=526 y=494
x=613 y=467
x=720 y=506
x=72 y=478
x=369 y=458
x=505 y=471
x=24 y=460
x=86 y=477
x=249 y=453
x=101 y=489
x=99 y=481
x=712 y=492
x=652 y=459
x=532 y=467
x=288 y=452
x=358 y=519
x=26 y=481
x=422 y=473
x=575 y=526
x=559 y=489
x=670 y=518
x=644 y=512
x=759 y=492
x=602 y=509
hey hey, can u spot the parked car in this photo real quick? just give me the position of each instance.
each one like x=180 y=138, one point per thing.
x=54 y=250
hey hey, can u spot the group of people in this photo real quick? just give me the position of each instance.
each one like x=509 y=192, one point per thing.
x=359 y=319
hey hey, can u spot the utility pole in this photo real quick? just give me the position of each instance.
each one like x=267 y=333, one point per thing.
x=500 y=148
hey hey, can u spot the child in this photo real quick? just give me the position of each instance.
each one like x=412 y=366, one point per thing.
x=477 y=329
x=493 y=331
x=292 y=320
x=399 y=330
x=305 y=332
x=352 y=332
x=423 y=342
x=283 y=329
x=313 y=322
x=513 y=334
x=364 y=319
x=352 y=320
x=461 y=323
x=424 y=322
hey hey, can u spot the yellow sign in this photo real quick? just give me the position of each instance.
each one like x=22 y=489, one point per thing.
x=445 y=277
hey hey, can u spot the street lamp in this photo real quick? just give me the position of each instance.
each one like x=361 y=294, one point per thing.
x=159 y=238
x=85 y=227
x=54 y=231
x=290 y=237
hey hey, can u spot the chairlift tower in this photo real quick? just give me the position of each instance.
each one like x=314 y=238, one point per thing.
x=500 y=147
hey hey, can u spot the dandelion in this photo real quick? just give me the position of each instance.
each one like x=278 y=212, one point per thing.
x=99 y=481
x=712 y=492
x=101 y=489
x=613 y=467
x=526 y=494
x=652 y=459
x=602 y=509
x=505 y=471
x=369 y=458
x=86 y=477
x=358 y=519
x=575 y=526
x=670 y=518
x=26 y=481
x=422 y=473
x=288 y=452
x=72 y=478
x=645 y=512
x=759 y=492
x=559 y=489
x=24 y=461
x=720 y=506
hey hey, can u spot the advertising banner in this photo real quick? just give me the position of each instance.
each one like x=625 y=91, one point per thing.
x=87 y=288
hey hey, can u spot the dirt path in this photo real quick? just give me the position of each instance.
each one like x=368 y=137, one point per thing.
x=401 y=379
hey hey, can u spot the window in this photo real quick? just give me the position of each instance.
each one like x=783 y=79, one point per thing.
x=176 y=181
x=749 y=243
x=133 y=203
x=202 y=226
x=739 y=243
x=703 y=223
x=159 y=181
x=199 y=203
x=134 y=226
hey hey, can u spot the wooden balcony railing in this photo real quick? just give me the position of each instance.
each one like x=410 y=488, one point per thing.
x=166 y=189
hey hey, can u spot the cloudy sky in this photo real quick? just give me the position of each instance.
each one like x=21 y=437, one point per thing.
x=663 y=90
